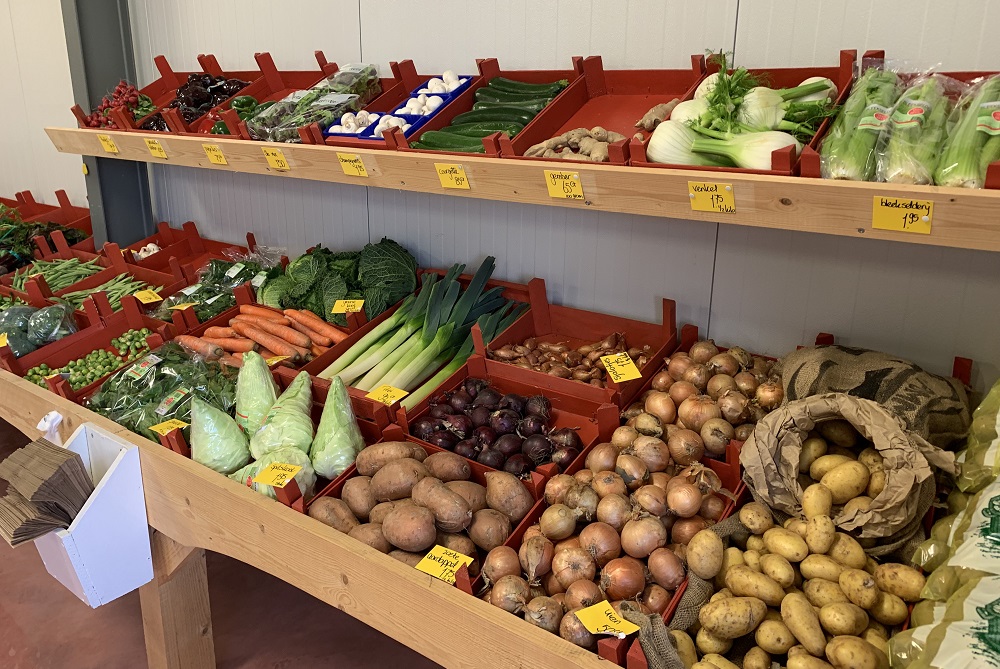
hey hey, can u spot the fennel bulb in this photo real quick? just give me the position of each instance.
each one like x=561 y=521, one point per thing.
x=751 y=150
x=829 y=94
x=671 y=143
x=761 y=109
x=689 y=111
x=706 y=86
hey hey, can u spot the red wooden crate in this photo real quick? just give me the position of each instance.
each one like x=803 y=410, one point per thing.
x=784 y=162
x=191 y=249
x=613 y=99
x=25 y=204
x=66 y=214
x=553 y=323
x=62 y=251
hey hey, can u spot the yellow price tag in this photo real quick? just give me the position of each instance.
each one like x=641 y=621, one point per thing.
x=147 y=296
x=275 y=158
x=164 y=428
x=902 y=214
x=3 y=338
x=181 y=307
x=602 y=619
x=712 y=197
x=156 y=149
x=347 y=306
x=564 y=185
x=452 y=175
x=352 y=164
x=620 y=367
x=215 y=155
x=443 y=563
x=387 y=395
x=275 y=360
x=108 y=143
x=277 y=474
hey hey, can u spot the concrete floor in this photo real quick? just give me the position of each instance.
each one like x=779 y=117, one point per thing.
x=44 y=626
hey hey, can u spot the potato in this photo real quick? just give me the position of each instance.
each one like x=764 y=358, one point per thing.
x=786 y=543
x=876 y=484
x=756 y=517
x=778 y=569
x=826 y=463
x=473 y=493
x=820 y=531
x=704 y=554
x=870 y=565
x=840 y=432
x=745 y=582
x=797 y=649
x=859 y=586
x=817 y=500
x=382 y=509
x=772 y=614
x=731 y=557
x=489 y=529
x=846 y=481
x=686 y=650
x=774 y=637
x=860 y=503
x=821 y=592
x=333 y=512
x=850 y=652
x=721 y=594
x=732 y=617
x=843 y=618
x=371 y=534
x=755 y=542
x=357 y=494
x=376 y=456
x=812 y=448
x=707 y=642
x=821 y=566
x=405 y=557
x=888 y=609
x=847 y=551
x=872 y=459
x=901 y=580
x=448 y=466
x=395 y=480
x=806 y=661
x=801 y=620
x=410 y=528
x=796 y=525
x=505 y=493
x=756 y=658
x=451 y=511
x=716 y=660
x=752 y=560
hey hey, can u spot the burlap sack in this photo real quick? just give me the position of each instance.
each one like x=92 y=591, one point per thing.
x=934 y=407
x=770 y=459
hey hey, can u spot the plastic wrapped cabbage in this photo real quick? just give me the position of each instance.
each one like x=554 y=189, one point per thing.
x=338 y=438
x=216 y=439
x=288 y=423
x=305 y=479
x=256 y=393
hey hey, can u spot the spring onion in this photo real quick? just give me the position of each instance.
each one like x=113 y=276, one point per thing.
x=974 y=142
x=915 y=132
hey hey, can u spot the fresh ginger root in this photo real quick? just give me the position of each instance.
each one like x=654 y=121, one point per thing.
x=656 y=115
x=570 y=139
x=602 y=135
x=596 y=149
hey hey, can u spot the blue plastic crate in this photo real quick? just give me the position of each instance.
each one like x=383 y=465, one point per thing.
x=416 y=122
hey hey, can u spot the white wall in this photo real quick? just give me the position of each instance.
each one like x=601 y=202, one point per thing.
x=36 y=92
x=768 y=290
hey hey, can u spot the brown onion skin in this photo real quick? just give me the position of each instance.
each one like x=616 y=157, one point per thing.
x=656 y=598
x=716 y=435
x=572 y=630
x=652 y=451
x=533 y=531
x=561 y=598
x=573 y=564
x=744 y=431
x=557 y=487
x=569 y=542
x=581 y=594
x=712 y=508
x=642 y=536
x=719 y=384
x=666 y=568
x=746 y=383
x=614 y=510
x=686 y=447
x=544 y=612
x=769 y=395
x=684 y=500
x=535 y=558
x=678 y=365
x=510 y=593
x=698 y=375
x=633 y=471
x=602 y=458
x=584 y=476
x=703 y=351
x=695 y=411
x=624 y=436
x=660 y=479
x=651 y=499
x=660 y=405
x=685 y=528
x=602 y=542
x=608 y=483
x=623 y=578
x=734 y=406
x=662 y=381
x=680 y=391
x=557 y=522
x=501 y=561
x=724 y=363
x=552 y=585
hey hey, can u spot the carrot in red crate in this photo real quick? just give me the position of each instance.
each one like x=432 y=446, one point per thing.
x=220 y=332
x=263 y=312
x=314 y=322
x=233 y=344
x=276 y=345
x=197 y=345
x=314 y=337
x=290 y=335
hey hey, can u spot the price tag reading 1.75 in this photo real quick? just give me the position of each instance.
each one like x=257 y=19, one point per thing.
x=712 y=197
x=156 y=149
x=277 y=474
x=902 y=214
x=215 y=155
x=452 y=176
x=275 y=158
x=108 y=143
x=387 y=395
x=564 y=185
x=602 y=619
x=442 y=563
x=352 y=164
x=620 y=367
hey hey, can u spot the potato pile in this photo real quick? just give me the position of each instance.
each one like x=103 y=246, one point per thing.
x=808 y=594
x=404 y=501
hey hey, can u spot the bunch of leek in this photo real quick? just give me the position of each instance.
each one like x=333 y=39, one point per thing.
x=975 y=140
x=911 y=140
x=848 y=150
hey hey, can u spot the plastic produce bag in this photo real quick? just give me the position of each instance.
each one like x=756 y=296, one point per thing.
x=51 y=324
x=289 y=422
x=974 y=141
x=324 y=111
x=980 y=461
x=16 y=317
x=360 y=79
x=18 y=342
x=216 y=439
x=256 y=393
x=338 y=438
x=305 y=479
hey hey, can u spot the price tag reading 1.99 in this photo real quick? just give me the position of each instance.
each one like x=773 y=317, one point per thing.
x=564 y=185
x=276 y=159
x=452 y=176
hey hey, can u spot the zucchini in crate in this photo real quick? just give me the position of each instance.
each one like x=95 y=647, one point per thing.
x=534 y=105
x=511 y=114
x=447 y=141
x=484 y=129
x=504 y=84
x=488 y=94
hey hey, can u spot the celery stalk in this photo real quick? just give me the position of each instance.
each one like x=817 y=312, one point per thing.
x=848 y=150
x=970 y=146
x=916 y=130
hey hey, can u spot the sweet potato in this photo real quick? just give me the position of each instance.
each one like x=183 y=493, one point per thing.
x=374 y=457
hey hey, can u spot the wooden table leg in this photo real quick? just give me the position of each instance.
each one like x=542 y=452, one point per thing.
x=176 y=615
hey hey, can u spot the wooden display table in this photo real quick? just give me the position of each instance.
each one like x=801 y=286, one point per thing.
x=193 y=509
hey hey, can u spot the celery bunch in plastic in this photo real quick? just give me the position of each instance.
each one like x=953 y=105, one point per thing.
x=848 y=151
x=975 y=140
x=911 y=140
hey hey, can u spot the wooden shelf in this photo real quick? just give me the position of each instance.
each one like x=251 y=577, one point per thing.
x=962 y=218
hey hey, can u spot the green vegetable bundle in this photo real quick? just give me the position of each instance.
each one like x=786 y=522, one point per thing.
x=213 y=293
x=58 y=273
x=320 y=104
x=974 y=142
x=17 y=238
x=911 y=141
x=116 y=289
x=91 y=367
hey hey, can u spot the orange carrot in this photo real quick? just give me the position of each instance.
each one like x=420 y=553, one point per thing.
x=290 y=335
x=277 y=345
x=263 y=312
x=217 y=332
x=206 y=349
x=304 y=353
x=317 y=350
x=230 y=360
x=233 y=344
x=264 y=353
x=314 y=322
x=314 y=337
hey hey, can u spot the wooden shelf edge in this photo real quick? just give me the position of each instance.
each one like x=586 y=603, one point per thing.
x=963 y=218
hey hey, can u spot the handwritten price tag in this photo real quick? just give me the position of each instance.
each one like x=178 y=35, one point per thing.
x=182 y=307
x=902 y=214
x=3 y=338
x=564 y=185
x=712 y=197
x=275 y=360
x=277 y=474
x=108 y=143
x=387 y=395
x=147 y=296
x=215 y=155
x=352 y=165
x=275 y=158
x=452 y=176
x=165 y=427
x=602 y=619
x=442 y=563
x=620 y=367
x=347 y=306
x=156 y=149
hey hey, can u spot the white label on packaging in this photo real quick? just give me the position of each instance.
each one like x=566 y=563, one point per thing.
x=235 y=269
x=190 y=290
x=258 y=280
x=213 y=299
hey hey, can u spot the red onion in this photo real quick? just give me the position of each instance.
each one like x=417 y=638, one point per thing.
x=425 y=426
x=680 y=391
x=508 y=444
x=518 y=465
x=566 y=436
x=480 y=417
x=642 y=536
x=678 y=365
x=564 y=457
x=443 y=439
x=487 y=397
x=623 y=578
x=473 y=386
x=666 y=568
x=441 y=410
x=460 y=400
x=684 y=500
x=467 y=449
x=504 y=421
x=538 y=405
x=491 y=458
x=734 y=406
x=484 y=435
x=601 y=541
x=686 y=446
x=530 y=425
x=703 y=351
x=512 y=401
x=538 y=448
x=694 y=411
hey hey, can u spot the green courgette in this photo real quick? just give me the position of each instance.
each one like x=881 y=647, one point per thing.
x=451 y=142
x=426 y=147
x=495 y=114
x=483 y=129
x=504 y=84
x=533 y=106
x=496 y=95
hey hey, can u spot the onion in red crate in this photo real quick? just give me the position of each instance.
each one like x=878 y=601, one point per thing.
x=531 y=424
x=460 y=425
x=460 y=400
x=518 y=465
x=425 y=426
x=484 y=435
x=443 y=439
x=538 y=405
x=487 y=397
x=538 y=448
x=504 y=421
x=491 y=458
x=567 y=437
x=468 y=448
x=508 y=444
x=512 y=401
x=480 y=416
x=564 y=457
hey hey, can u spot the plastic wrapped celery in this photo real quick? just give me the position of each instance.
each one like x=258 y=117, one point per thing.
x=911 y=141
x=848 y=152
x=974 y=142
